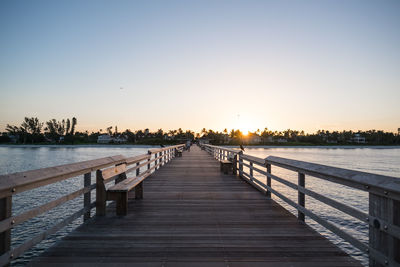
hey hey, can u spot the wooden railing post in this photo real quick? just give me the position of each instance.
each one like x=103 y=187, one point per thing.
x=234 y=164
x=138 y=169
x=268 y=180
x=101 y=195
x=386 y=211
x=5 y=213
x=251 y=171
x=148 y=165
x=240 y=164
x=87 y=181
x=300 y=196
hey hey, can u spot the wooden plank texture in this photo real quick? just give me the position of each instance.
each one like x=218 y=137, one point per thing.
x=194 y=215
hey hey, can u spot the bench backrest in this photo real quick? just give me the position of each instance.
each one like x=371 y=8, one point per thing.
x=117 y=173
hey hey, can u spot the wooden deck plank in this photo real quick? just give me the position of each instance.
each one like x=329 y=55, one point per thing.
x=193 y=215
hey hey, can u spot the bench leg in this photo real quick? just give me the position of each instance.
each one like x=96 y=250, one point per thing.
x=139 y=191
x=226 y=168
x=122 y=203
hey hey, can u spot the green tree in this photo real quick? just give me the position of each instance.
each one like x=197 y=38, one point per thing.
x=74 y=122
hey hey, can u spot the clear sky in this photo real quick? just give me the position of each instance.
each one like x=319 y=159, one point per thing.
x=303 y=65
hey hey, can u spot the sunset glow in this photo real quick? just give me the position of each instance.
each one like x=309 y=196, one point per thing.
x=195 y=64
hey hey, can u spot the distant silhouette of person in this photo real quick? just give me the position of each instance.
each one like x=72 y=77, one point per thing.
x=188 y=146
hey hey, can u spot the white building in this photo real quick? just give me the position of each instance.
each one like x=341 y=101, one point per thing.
x=120 y=139
x=357 y=138
x=204 y=141
x=282 y=140
x=254 y=139
x=104 y=139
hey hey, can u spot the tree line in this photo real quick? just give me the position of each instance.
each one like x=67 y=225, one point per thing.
x=33 y=131
x=293 y=137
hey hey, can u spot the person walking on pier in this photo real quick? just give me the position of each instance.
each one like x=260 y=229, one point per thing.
x=188 y=143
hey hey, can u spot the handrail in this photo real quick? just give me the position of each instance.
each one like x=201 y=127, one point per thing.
x=14 y=183
x=155 y=150
x=11 y=184
x=379 y=184
x=225 y=149
x=384 y=195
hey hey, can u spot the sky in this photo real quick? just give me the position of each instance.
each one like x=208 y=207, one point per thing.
x=303 y=65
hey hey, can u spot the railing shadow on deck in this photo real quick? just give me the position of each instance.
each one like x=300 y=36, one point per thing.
x=12 y=184
x=383 y=218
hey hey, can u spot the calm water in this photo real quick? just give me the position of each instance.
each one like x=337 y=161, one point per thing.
x=384 y=161
x=16 y=159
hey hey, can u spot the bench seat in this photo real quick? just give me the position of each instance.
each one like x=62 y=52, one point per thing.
x=226 y=166
x=128 y=184
x=119 y=192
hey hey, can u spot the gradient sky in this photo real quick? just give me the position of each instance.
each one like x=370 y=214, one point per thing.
x=217 y=64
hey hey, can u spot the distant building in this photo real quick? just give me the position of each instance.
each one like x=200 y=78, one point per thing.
x=204 y=141
x=226 y=139
x=168 y=137
x=14 y=138
x=282 y=140
x=254 y=139
x=357 y=138
x=120 y=139
x=267 y=139
x=332 y=141
x=104 y=139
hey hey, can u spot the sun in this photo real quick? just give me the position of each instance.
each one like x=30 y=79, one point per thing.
x=245 y=127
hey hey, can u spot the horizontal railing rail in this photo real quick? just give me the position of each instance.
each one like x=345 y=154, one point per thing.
x=383 y=216
x=12 y=184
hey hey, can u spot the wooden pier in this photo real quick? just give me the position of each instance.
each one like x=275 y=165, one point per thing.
x=194 y=215
x=174 y=208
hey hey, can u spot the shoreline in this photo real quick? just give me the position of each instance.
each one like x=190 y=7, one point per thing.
x=77 y=146
x=321 y=146
x=228 y=146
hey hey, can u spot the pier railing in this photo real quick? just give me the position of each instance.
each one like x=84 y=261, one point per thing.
x=12 y=184
x=383 y=216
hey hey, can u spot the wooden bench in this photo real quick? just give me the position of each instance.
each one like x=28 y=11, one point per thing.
x=178 y=152
x=226 y=166
x=119 y=191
